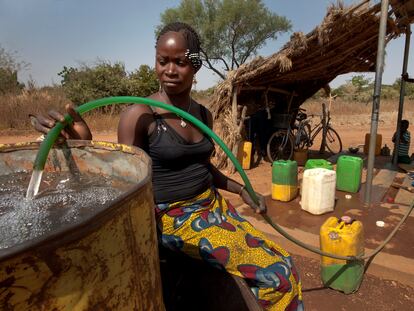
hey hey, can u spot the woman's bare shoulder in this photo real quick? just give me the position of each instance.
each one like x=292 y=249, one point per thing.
x=136 y=110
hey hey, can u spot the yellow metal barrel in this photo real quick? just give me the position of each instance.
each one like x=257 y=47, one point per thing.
x=108 y=261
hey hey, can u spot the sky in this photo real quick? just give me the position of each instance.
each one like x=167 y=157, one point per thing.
x=50 y=34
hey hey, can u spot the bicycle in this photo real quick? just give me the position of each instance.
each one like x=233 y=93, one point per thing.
x=305 y=134
x=281 y=142
x=302 y=135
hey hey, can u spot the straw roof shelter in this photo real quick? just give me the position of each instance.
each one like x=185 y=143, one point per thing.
x=346 y=41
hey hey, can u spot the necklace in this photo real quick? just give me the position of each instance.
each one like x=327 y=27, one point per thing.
x=183 y=123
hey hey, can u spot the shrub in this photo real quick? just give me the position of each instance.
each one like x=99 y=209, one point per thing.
x=104 y=79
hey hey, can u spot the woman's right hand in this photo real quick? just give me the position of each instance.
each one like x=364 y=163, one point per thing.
x=76 y=130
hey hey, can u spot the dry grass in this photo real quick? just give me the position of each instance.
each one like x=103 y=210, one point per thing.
x=14 y=111
x=357 y=113
x=102 y=123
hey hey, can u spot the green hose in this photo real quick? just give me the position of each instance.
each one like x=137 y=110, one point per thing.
x=53 y=134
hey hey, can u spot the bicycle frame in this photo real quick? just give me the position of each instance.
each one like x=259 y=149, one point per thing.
x=286 y=137
x=324 y=123
x=299 y=135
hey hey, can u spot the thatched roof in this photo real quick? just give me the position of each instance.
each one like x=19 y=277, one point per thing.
x=346 y=41
x=403 y=10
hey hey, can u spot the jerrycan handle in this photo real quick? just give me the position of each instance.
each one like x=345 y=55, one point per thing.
x=344 y=220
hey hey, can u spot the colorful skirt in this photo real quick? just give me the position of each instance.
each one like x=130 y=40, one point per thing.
x=207 y=227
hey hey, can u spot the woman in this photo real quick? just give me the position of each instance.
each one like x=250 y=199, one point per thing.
x=192 y=216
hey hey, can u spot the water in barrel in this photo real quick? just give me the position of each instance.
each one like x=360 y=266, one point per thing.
x=64 y=199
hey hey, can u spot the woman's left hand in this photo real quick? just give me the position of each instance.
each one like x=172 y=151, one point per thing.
x=259 y=209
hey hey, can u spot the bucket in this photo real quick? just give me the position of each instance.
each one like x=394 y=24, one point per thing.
x=346 y=239
x=284 y=180
x=300 y=156
x=318 y=163
x=348 y=173
x=378 y=144
x=108 y=260
x=244 y=154
x=318 y=191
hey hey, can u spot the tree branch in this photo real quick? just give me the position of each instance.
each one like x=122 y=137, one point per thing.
x=212 y=67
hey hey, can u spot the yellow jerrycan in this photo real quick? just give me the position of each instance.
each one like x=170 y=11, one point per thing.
x=244 y=154
x=344 y=237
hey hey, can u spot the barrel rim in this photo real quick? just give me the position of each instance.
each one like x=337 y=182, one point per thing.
x=96 y=219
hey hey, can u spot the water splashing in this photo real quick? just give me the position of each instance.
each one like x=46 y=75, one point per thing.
x=64 y=199
x=34 y=184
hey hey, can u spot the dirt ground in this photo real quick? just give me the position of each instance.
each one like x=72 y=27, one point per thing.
x=375 y=293
x=350 y=135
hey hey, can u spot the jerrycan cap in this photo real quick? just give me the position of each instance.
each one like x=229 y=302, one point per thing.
x=346 y=219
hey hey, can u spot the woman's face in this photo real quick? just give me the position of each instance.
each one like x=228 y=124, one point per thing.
x=173 y=68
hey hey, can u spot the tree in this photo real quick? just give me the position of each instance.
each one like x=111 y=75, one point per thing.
x=9 y=67
x=104 y=79
x=87 y=83
x=360 y=82
x=231 y=31
x=143 y=82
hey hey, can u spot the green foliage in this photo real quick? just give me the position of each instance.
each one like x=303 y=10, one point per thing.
x=388 y=92
x=354 y=92
x=231 y=31
x=88 y=83
x=104 y=79
x=361 y=89
x=409 y=88
x=142 y=82
x=360 y=82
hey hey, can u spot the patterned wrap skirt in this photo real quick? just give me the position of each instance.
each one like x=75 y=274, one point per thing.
x=207 y=227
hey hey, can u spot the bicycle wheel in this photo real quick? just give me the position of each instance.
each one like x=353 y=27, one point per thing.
x=333 y=141
x=280 y=146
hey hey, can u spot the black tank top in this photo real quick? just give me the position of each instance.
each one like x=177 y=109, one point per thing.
x=180 y=169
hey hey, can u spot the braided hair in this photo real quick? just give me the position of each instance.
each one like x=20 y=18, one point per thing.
x=192 y=39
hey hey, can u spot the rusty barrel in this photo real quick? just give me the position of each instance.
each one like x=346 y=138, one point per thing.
x=107 y=261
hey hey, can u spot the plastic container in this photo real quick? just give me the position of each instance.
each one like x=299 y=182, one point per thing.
x=346 y=239
x=318 y=191
x=244 y=154
x=300 y=156
x=284 y=180
x=348 y=173
x=385 y=151
x=377 y=144
x=318 y=163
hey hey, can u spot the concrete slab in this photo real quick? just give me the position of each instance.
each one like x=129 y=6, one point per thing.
x=380 y=184
x=385 y=265
x=403 y=196
x=394 y=262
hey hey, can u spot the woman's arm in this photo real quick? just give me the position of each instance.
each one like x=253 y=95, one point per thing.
x=221 y=181
x=134 y=125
